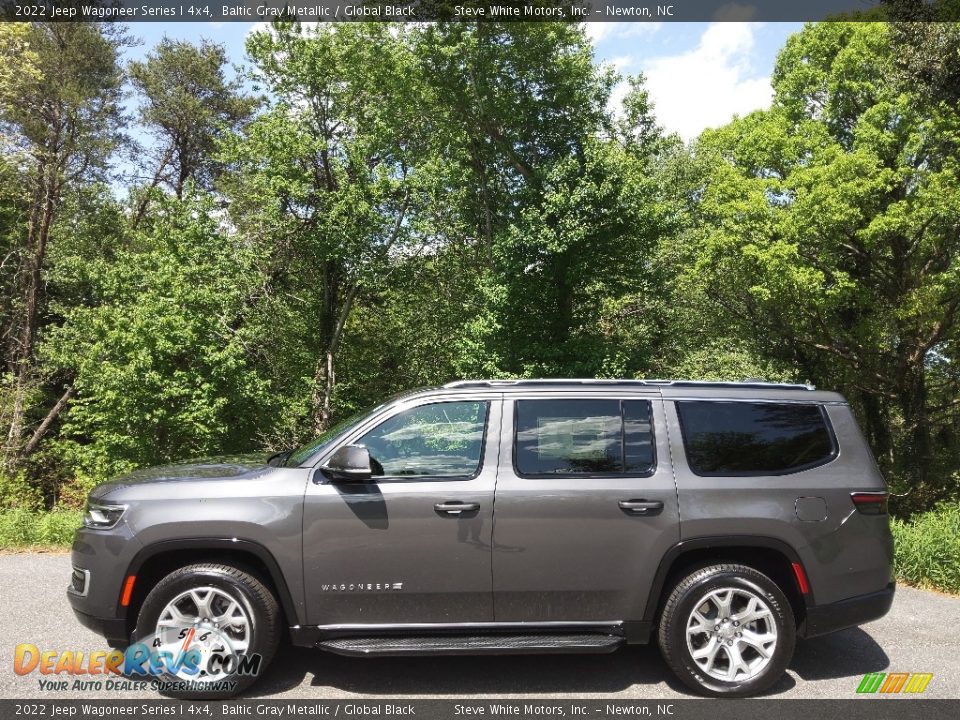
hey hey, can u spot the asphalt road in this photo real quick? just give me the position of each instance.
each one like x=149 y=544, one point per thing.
x=920 y=634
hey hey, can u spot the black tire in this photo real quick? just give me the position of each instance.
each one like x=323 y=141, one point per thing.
x=688 y=595
x=257 y=600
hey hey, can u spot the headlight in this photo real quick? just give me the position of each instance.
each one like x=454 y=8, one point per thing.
x=103 y=517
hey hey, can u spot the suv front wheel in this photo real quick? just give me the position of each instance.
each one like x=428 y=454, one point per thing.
x=727 y=630
x=224 y=616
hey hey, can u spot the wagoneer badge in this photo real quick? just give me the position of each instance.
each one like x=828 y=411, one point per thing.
x=360 y=587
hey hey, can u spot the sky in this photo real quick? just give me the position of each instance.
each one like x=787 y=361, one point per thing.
x=699 y=74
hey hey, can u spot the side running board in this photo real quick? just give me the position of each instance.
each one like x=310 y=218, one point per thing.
x=494 y=644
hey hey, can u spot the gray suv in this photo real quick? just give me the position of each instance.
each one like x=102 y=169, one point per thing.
x=507 y=516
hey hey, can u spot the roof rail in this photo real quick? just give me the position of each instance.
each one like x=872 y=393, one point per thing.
x=523 y=382
x=750 y=383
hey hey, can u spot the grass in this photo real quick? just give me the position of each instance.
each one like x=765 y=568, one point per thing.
x=927 y=546
x=26 y=529
x=927 y=551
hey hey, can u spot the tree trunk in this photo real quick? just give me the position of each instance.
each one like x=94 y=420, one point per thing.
x=916 y=452
x=324 y=379
x=145 y=200
x=325 y=376
x=38 y=233
x=44 y=426
x=877 y=425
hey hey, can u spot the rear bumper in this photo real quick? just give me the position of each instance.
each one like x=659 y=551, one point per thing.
x=823 y=619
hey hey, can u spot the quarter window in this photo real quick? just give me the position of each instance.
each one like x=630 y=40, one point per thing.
x=584 y=437
x=437 y=440
x=737 y=438
x=637 y=436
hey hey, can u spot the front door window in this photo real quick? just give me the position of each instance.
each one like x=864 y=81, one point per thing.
x=440 y=440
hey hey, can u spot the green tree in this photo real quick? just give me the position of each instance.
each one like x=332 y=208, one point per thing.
x=574 y=271
x=550 y=202
x=188 y=104
x=161 y=363
x=323 y=180
x=507 y=101
x=54 y=123
x=829 y=235
x=20 y=62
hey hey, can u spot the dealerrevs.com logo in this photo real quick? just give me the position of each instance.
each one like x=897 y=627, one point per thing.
x=893 y=683
x=194 y=660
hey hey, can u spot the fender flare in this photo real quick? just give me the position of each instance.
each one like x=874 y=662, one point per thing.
x=221 y=543
x=715 y=541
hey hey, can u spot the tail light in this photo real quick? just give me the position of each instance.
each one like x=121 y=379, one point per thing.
x=870 y=503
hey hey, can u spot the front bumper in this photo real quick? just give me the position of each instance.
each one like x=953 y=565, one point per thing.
x=113 y=629
x=823 y=619
x=103 y=556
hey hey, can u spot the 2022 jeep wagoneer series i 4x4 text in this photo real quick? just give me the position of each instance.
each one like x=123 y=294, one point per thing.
x=722 y=519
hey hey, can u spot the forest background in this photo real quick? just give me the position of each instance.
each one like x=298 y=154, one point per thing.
x=370 y=208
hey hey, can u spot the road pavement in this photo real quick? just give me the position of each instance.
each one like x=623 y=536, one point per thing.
x=920 y=634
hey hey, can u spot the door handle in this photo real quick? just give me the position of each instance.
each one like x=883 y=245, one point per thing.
x=456 y=508
x=641 y=507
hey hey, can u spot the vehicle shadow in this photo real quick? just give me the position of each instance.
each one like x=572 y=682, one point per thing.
x=850 y=653
x=461 y=675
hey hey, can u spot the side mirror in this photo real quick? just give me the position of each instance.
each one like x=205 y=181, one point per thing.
x=350 y=463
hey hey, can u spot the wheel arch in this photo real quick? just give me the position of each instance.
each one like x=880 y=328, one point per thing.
x=155 y=561
x=771 y=556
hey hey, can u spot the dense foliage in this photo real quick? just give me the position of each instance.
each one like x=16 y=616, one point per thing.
x=381 y=207
x=928 y=548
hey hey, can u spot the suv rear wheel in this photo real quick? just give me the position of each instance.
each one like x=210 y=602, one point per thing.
x=224 y=615
x=727 y=630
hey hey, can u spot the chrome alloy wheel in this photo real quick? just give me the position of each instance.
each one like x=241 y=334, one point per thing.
x=206 y=619
x=731 y=634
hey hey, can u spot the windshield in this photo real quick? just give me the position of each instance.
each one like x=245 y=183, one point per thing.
x=311 y=448
x=301 y=454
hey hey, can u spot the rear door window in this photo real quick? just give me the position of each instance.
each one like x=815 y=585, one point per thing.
x=739 y=438
x=583 y=437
